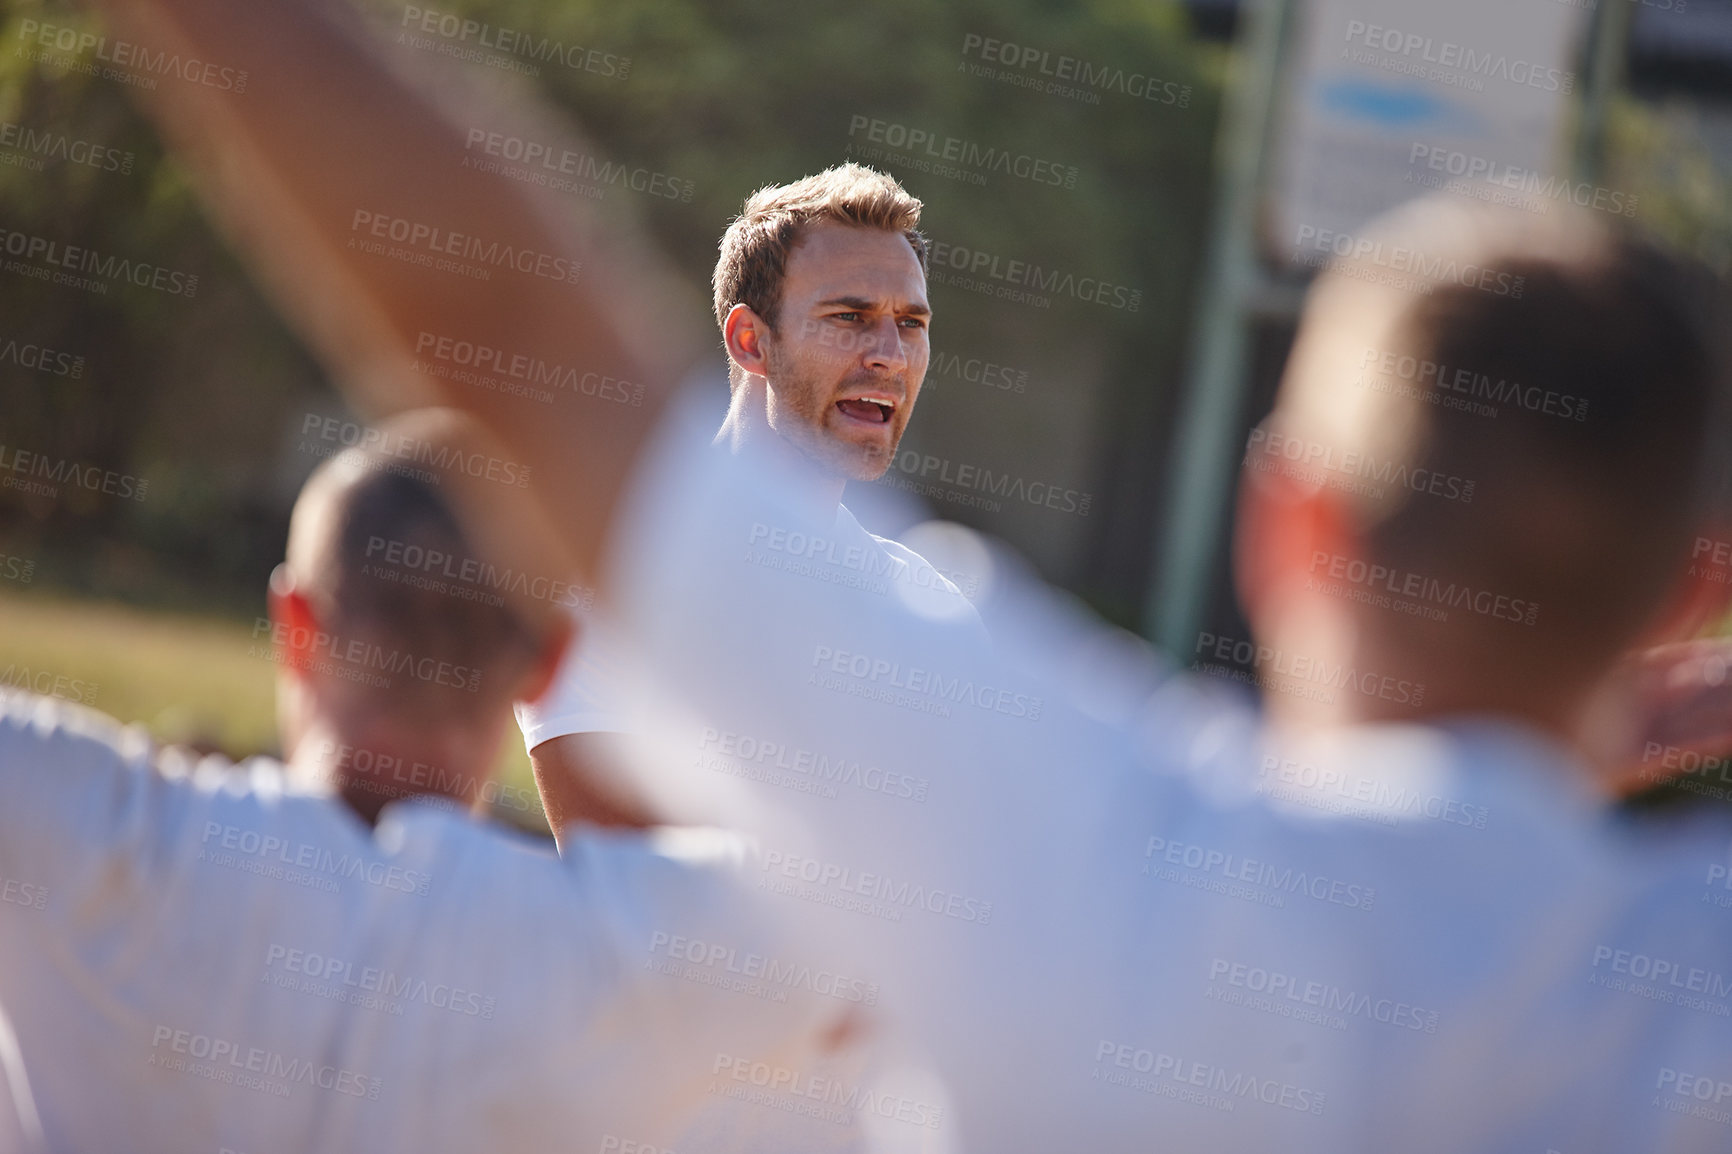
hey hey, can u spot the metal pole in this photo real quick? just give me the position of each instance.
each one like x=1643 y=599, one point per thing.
x=1206 y=453
x=1608 y=43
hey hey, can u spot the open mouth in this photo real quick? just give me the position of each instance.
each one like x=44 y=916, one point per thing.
x=872 y=412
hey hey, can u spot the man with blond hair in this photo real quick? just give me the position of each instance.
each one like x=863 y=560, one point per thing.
x=1119 y=918
x=820 y=296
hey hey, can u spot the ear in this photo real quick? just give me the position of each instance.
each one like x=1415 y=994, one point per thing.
x=295 y=623
x=745 y=332
x=1285 y=531
x=539 y=677
x=1700 y=594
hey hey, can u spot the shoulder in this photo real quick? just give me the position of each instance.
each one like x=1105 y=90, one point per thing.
x=666 y=872
x=33 y=724
x=920 y=582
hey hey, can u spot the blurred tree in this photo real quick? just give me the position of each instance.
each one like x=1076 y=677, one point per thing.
x=200 y=396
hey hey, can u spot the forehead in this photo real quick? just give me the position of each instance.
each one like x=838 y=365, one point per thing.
x=838 y=260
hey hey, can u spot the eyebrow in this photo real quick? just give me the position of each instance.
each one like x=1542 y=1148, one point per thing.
x=861 y=304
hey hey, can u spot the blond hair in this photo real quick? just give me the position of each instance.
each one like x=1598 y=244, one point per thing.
x=754 y=250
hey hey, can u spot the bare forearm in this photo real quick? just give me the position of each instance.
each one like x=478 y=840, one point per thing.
x=575 y=789
x=342 y=178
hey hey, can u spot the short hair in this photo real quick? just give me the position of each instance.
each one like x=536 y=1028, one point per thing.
x=754 y=249
x=361 y=540
x=1569 y=372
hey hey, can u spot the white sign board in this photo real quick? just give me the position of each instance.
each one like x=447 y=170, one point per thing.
x=1386 y=100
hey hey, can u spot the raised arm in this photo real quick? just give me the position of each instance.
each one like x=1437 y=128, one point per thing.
x=339 y=172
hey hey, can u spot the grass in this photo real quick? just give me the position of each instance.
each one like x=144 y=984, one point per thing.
x=188 y=678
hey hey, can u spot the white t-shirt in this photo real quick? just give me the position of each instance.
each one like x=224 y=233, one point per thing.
x=1119 y=917
x=597 y=685
x=20 y=1132
x=201 y=957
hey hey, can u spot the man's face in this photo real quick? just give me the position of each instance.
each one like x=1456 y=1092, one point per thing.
x=849 y=350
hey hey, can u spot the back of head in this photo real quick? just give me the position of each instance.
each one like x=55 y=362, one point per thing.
x=1519 y=413
x=423 y=625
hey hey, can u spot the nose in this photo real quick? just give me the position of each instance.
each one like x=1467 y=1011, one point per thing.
x=884 y=351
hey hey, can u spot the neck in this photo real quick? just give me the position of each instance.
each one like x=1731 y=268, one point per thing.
x=373 y=761
x=1448 y=674
x=746 y=431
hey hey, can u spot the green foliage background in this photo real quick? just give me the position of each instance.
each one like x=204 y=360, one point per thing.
x=200 y=397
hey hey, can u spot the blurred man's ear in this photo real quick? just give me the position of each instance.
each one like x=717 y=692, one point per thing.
x=297 y=623
x=1285 y=531
x=744 y=331
x=1700 y=594
x=539 y=676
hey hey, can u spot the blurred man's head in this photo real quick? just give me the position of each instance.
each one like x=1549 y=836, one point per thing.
x=400 y=654
x=1492 y=450
x=820 y=292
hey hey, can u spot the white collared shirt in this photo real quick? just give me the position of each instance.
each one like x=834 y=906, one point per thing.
x=1119 y=919
x=200 y=957
x=598 y=686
